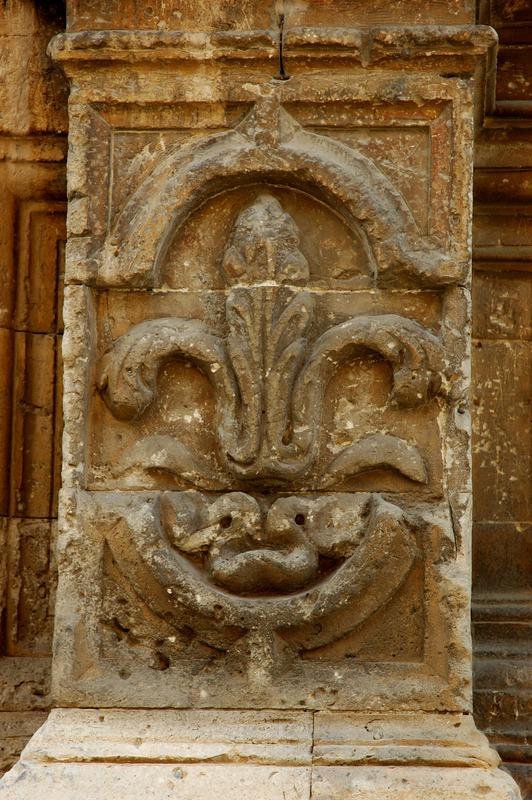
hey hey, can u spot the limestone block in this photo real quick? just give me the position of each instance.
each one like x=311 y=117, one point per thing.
x=33 y=92
x=34 y=399
x=503 y=466
x=187 y=15
x=309 y=300
x=168 y=753
x=193 y=736
x=6 y=377
x=421 y=783
x=40 y=267
x=157 y=782
x=261 y=737
x=32 y=233
x=197 y=782
x=31 y=579
x=25 y=683
x=266 y=497
x=16 y=728
x=413 y=739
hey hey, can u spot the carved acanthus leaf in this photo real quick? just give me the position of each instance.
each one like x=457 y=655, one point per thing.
x=266 y=346
x=286 y=347
x=244 y=346
x=266 y=342
x=269 y=388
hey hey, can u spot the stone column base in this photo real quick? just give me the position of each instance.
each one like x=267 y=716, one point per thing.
x=265 y=755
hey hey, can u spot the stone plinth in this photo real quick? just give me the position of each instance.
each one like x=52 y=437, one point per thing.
x=268 y=754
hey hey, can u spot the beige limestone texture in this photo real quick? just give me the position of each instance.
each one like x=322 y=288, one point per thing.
x=261 y=737
x=313 y=319
x=156 y=782
x=403 y=783
x=266 y=486
x=31 y=214
x=191 y=754
x=236 y=782
x=257 y=14
x=33 y=123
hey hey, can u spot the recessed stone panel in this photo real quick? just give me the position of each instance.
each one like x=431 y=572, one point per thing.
x=269 y=488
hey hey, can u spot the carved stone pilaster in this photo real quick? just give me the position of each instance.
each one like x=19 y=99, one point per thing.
x=266 y=486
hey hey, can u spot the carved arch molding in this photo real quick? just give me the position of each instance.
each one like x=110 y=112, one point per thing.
x=257 y=270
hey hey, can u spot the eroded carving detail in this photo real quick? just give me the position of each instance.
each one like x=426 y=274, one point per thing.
x=258 y=569
x=250 y=550
x=269 y=372
x=264 y=246
x=273 y=146
x=231 y=555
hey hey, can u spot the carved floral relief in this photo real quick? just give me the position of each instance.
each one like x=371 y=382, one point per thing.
x=269 y=374
x=264 y=471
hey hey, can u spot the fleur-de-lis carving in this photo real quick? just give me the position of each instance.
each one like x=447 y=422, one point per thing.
x=268 y=373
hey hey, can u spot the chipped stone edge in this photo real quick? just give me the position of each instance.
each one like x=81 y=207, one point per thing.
x=284 y=738
x=367 y=45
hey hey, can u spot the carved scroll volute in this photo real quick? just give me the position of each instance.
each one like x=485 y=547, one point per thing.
x=268 y=320
x=416 y=359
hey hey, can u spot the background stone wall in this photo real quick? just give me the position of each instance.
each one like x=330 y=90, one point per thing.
x=502 y=441
x=33 y=124
x=33 y=99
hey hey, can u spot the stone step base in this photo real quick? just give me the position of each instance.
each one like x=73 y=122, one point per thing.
x=103 y=781
x=142 y=754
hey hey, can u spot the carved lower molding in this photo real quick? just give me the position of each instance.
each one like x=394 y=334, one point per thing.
x=296 y=755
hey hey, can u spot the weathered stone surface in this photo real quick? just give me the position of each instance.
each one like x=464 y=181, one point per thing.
x=155 y=782
x=195 y=782
x=267 y=489
x=83 y=735
x=16 y=728
x=255 y=641
x=398 y=783
x=262 y=536
x=250 y=14
x=502 y=591
x=31 y=571
x=33 y=93
x=33 y=119
x=294 y=737
x=267 y=287
x=24 y=683
x=289 y=754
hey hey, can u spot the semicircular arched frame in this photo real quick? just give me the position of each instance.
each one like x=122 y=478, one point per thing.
x=344 y=178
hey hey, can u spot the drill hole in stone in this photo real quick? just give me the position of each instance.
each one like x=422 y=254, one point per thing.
x=299 y=519
x=226 y=522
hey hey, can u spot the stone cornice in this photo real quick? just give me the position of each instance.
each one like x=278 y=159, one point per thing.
x=365 y=46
